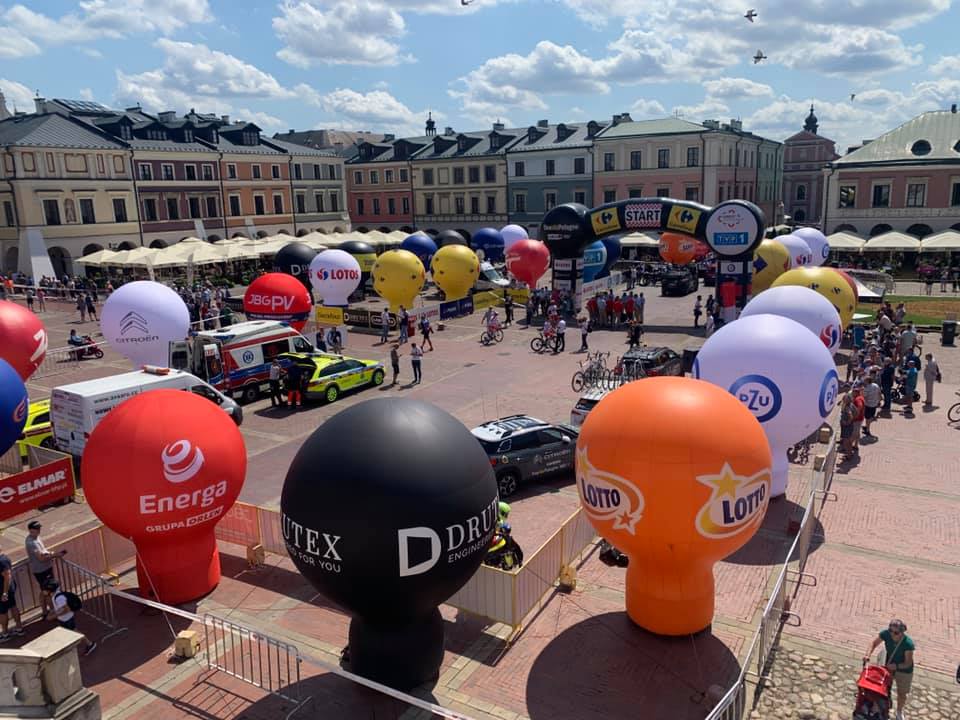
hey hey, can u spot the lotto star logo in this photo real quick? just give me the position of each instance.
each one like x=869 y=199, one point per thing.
x=606 y=496
x=736 y=502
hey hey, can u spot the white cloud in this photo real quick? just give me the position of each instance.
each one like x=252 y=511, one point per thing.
x=852 y=51
x=709 y=109
x=375 y=110
x=15 y=45
x=86 y=94
x=17 y=95
x=730 y=88
x=948 y=65
x=266 y=121
x=644 y=109
x=92 y=52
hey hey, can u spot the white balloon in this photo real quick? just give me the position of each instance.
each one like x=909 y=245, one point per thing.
x=141 y=318
x=780 y=372
x=334 y=274
x=798 y=249
x=803 y=305
x=817 y=242
x=511 y=234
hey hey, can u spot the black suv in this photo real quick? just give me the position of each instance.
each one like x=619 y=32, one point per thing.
x=521 y=447
x=679 y=281
x=650 y=362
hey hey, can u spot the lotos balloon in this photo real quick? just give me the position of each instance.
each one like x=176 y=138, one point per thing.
x=528 y=260
x=817 y=242
x=829 y=283
x=594 y=260
x=770 y=261
x=389 y=525
x=278 y=296
x=335 y=274
x=780 y=371
x=455 y=269
x=612 y=244
x=677 y=249
x=13 y=406
x=803 y=305
x=141 y=318
x=512 y=234
x=489 y=241
x=294 y=259
x=677 y=501
x=23 y=338
x=163 y=468
x=398 y=276
x=449 y=237
x=798 y=249
x=422 y=246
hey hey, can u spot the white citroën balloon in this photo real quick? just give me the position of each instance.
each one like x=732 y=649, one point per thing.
x=141 y=318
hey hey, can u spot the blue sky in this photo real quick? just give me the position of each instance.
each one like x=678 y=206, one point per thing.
x=382 y=64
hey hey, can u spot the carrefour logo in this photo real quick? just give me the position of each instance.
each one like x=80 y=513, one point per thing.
x=759 y=394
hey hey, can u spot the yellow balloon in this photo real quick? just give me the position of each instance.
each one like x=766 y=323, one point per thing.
x=398 y=276
x=828 y=283
x=455 y=269
x=770 y=261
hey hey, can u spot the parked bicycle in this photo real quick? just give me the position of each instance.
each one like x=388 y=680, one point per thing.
x=591 y=372
x=953 y=413
x=544 y=342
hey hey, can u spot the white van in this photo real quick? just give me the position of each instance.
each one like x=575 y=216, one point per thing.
x=490 y=278
x=76 y=409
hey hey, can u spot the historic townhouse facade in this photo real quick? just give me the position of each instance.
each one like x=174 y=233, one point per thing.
x=805 y=155
x=316 y=179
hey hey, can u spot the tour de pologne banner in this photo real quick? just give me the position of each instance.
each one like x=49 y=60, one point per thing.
x=36 y=487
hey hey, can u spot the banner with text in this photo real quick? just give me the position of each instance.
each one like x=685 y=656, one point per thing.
x=36 y=488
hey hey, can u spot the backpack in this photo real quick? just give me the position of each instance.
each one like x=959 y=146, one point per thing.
x=73 y=600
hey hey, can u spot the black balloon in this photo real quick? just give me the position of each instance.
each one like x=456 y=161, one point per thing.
x=294 y=259
x=565 y=231
x=449 y=237
x=389 y=525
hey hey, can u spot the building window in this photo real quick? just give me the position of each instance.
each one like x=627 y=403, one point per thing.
x=428 y=206
x=551 y=167
x=428 y=176
x=207 y=171
x=404 y=176
x=259 y=205
x=126 y=132
x=194 y=204
x=636 y=160
x=150 y=210
x=916 y=194
x=955 y=194
x=87 y=215
x=491 y=204
x=191 y=171
x=173 y=209
x=232 y=171
x=358 y=177
x=405 y=205
x=580 y=196
x=278 y=204
x=301 y=204
x=298 y=171
x=518 y=169
x=635 y=192
x=881 y=196
x=374 y=177
x=458 y=205
x=848 y=196
x=520 y=203
x=799 y=215
x=474 y=174
x=235 y=208
x=360 y=206
x=146 y=171
x=663 y=192
x=318 y=199
x=255 y=172
x=391 y=206
x=458 y=176
x=693 y=157
x=609 y=163
x=475 y=205
x=388 y=177
x=275 y=172
x=801 y=192
x=550 y=201
x=692 y=194
x=490 y=173
x=212 y=209
x=334 y=202
x=579 y=166
x=166 y=172
x=609 y=196
x=376 y=206
x=8 y=213
x=663 y=158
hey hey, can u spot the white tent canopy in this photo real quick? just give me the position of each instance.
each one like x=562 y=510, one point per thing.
x=100 y=257
x=138 y=257
x=892 y=241
x=945 y=241
x=844 y=241
x=639 y=239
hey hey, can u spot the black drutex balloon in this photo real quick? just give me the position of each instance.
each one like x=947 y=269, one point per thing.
x=565 y=231
x=388 y=509
x=449 y=237
x=294 y=259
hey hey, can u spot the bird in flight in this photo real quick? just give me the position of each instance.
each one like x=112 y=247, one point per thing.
x=749 y=15
x=758 y=57
x=466 y=2
x=852 y=96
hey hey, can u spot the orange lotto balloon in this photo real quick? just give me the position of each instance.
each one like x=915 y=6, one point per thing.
x=677 y=249
x=675 y=494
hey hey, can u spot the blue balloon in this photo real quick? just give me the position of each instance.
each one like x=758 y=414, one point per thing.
x=490 y=241
x=13 y=406
x=422 y=246
x=612 y=244
x=594 y=258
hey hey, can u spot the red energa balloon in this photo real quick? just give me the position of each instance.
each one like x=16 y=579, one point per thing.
x=528 y=260
x=162 y=469
x=23 y=339
x=278 y=296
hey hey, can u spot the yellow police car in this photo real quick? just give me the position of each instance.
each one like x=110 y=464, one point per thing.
x=38 y=430
x=331 y=375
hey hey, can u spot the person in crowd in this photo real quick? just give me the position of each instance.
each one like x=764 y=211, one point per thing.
x=395 y=362
x=899 y=648
x=909 y=386
x=872 y=396
x=8 y=601
x=697 y=310
x=91 y=306
x=931 y=375
x=82 y=308
x=641 y=302
x=859 y=415
x=848 y=414
x=601 y=311
x=507 y=307
x=561 y=345
x=335 y=340
x=403 y=319
x=887 y=376
x=426 y=331
x=294 y=377
x=384 y=326
x=30 y=298
x=66 y=617
x=41 y=562
x=41 y=299
x=416 y=358
x=584 y=324
x=276 y=395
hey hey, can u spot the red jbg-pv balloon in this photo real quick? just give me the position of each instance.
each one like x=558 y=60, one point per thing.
x=163 y=468
x=528 y=260
x=23 y=339
x=278 y=296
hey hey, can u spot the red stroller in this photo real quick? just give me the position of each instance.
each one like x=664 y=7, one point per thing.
x=873 y=693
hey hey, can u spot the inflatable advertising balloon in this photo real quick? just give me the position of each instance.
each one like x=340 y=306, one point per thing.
x=390 y=525
x=335 y=274
x=801 y=305
x=455 y=269
x=488 y=241
x=278 y=296
x=13 y=406
x=612 y=244
x=294 y=259
x=449 y=237
x=679 y=500
x=512 y=234
x=398 y=277
x=677 y=249
x=528 y=260
x=850 y=281
x=23 y=339
x=781 y=373
x=163 y=468
x=700 y=250
x=364 y=253
x=594 y=259
x=141 y=318
x=817 y=242
x=422 y=246
x=798 y=249
x=770 y=261
x=826 y=281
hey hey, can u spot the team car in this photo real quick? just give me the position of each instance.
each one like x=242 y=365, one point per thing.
x=38 y=430
x=650 y=361
x=521 y=448
x=332 y=375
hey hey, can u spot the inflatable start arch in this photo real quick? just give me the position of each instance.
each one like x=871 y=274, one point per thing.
x=732 y=229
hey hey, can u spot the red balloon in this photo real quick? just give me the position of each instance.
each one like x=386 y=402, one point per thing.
x=677 y=249
x=23 y=339
x=528 y=260
x=850 y=281
x=278 y=296
x=701 y=250
x=162 y=468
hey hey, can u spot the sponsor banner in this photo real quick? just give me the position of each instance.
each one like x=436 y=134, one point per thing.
x=605 y=221
x=562 y=265
x=328 y=316
x=357 y=317
x=736 y=502
x=36 y=487
x=683 y=219
x=449 y=310
x=640 y=216
x=465 y=306
x=483 y=300
x=521 y=295
x=376 y=320
x=431 y=312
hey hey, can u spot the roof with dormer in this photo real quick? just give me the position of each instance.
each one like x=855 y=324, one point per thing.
x=931 y=137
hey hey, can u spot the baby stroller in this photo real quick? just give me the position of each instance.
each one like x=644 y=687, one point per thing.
x=873 y=693
x=899 y=391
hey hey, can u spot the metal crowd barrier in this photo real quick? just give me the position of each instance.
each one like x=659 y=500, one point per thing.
x=93 y=590
x=63 y=359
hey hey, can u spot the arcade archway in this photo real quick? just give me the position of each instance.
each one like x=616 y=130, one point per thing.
x=61 y=261
x=158 y=244
x=91 y=248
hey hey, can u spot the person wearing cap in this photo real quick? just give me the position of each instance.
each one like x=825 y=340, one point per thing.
x=65 y=616
x=41 y=562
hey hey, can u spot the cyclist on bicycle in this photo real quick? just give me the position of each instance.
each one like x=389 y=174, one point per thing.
x=492 y=319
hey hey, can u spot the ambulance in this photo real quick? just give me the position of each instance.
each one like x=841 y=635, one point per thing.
x=236 y=359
